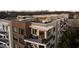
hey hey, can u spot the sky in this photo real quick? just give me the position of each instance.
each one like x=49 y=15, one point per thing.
x=36 y=5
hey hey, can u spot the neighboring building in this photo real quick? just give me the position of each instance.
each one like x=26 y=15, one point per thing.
x=6 y=24
x=20 y=30
x=38 y=31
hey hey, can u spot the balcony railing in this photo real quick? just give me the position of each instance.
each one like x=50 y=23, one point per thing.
x=38 y=40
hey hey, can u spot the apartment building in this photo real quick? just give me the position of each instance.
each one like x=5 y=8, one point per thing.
x=6 y=33
x=46 y=31
x=38 y=31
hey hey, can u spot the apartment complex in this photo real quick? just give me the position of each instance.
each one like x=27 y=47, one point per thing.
x=38 y=31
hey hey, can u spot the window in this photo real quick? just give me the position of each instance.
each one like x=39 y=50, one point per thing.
x=7 y=36
x=19 y=30
x=15 y=29
x=41 y=34
x=15 y=38
x=48 y=32
x=21 y=41
x=6 y=27
x=34 y=31
x=22 y=31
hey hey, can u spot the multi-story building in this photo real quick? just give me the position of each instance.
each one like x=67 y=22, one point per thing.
x=46 y=30
x=6 y=25
x=38 y=31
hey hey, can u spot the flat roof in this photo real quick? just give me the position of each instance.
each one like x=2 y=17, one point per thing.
x=41 y=27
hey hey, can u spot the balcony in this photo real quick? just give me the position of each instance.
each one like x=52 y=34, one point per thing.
x=36 y=39
x=33 y=39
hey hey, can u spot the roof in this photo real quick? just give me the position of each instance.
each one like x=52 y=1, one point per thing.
x=41 y=27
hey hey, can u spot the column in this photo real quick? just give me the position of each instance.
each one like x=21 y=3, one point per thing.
x=31 y=31
x=37 y=32
x=45 y=34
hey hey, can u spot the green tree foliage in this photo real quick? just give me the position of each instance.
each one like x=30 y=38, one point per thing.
x=65 y=40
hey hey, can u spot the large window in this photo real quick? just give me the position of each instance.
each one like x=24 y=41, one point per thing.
x=34 y=31
x=41 y=34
